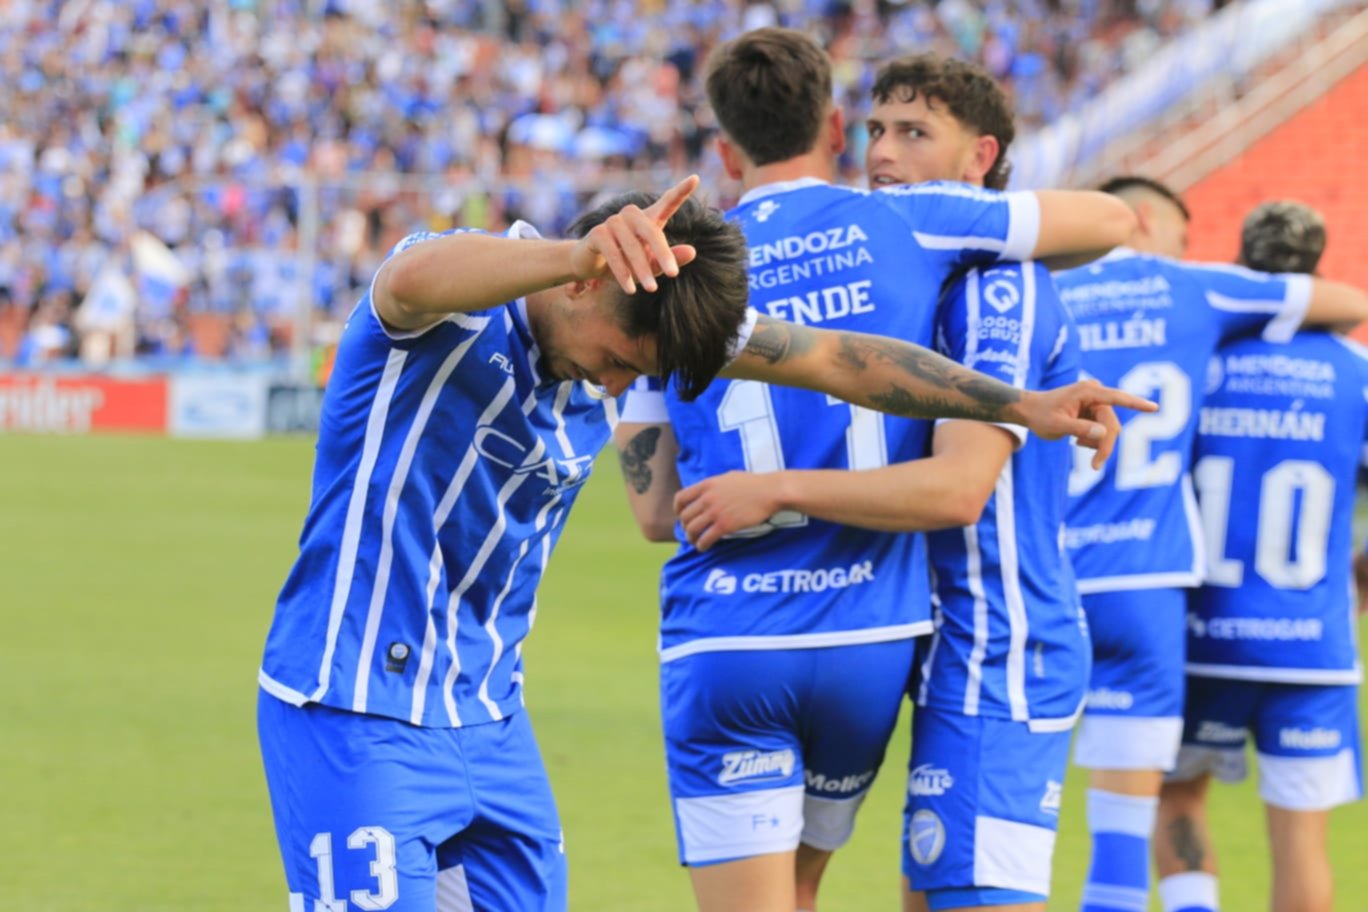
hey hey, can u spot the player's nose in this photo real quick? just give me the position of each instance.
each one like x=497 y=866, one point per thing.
x=616 y=382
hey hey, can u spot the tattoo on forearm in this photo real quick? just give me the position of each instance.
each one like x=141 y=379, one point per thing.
x=986 y=397
x=777 y=341
x=636 y=459
x=1187 y=842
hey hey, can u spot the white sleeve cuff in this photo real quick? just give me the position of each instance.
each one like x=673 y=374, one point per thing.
x=1016 y=430
x=644 y=407
x=743 y=334
x=1285 y=325
x=1023 y=225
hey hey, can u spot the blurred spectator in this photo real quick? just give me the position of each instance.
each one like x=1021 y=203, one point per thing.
x=198 y=122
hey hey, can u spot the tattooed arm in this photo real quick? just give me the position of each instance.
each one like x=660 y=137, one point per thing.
x=905 y=379
x=646 y=453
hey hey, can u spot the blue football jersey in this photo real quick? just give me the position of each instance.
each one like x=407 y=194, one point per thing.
x=837 y=258
x=1010 y=642
x=445 y=467
x=1149 y=325
x=1278 y=453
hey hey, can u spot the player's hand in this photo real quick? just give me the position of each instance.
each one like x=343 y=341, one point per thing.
x=1083 y=410
x=724 y=504
x=631 y=246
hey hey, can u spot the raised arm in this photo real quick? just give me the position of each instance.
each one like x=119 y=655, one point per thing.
x=904 y=379
x=468 y=271
x=646 y=455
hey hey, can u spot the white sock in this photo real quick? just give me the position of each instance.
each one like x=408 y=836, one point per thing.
x=1194 y=891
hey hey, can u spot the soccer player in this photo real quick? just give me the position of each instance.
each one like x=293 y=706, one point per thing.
x=1149 y=325
x=468 y=400
x=1271 y=634
x=788 y=643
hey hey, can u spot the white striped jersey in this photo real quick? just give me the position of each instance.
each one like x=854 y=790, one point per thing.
x=1149 y=325
x=1278 y=452
x=445 y=467
x=852 y=260
x=1010 y=640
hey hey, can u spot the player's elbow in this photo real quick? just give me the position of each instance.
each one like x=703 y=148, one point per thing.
x=1116 y=221
x=961 y=505
x=657 y=531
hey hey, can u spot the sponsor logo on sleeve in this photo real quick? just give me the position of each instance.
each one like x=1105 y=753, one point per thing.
x=929 y=779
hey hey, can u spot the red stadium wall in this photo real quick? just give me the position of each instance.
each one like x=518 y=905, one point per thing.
x=1316 y=157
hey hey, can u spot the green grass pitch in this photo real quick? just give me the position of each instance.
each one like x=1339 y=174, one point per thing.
x=138 y=581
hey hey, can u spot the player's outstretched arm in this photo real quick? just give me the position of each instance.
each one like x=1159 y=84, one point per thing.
x=646 y=455
x=900 y=378
x=946 y=490
x=460 y=273
x=1335 y=305
x=1078 y=226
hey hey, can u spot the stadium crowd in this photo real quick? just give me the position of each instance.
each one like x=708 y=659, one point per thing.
x=196 y=123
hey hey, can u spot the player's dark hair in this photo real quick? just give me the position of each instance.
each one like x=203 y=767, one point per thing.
x=1118 y=186
x=697 y=315
x=1282 y=236
x=966 y=89
x=770 y=90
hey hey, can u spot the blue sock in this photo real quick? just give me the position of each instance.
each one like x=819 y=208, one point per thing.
x=1194 y=891
x=1118 y=880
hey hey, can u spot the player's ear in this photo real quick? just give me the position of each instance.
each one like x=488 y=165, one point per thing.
x=582 y=288
x=732 y=159
x=985 y=155
x=1144 y=218
x=836 y=130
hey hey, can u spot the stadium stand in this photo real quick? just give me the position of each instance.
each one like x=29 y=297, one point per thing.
x=239 y=132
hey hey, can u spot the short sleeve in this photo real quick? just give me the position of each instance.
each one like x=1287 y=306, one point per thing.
x=1246 y=302
x=645 y=403
x=969 y=225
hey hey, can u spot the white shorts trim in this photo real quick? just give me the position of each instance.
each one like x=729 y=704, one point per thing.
x=1309 y=783
x=1321 y=676
x=725 y=827
x=1228 y=764
x=829 y=822
x=797 y=640
x=1012 y=855
x=280 y=691
x=1128 y=742
x=1182 y=579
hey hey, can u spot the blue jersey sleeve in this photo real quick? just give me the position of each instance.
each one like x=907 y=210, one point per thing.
x=966 y=225
x=987 y=320
x=1245 y=301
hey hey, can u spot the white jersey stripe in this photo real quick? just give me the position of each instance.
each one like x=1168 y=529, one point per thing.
x=558 y=410
x=974 y=672
x=356 y=509
x=1194 y=523
x=444 y=507
x=958 y=242
x=396 y=487
x=1017 y=623
x=482 y=556
x=929 y=665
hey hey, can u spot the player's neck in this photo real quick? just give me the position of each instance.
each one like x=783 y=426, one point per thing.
x=814 y=164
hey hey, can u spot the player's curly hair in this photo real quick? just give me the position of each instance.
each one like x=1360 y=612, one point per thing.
x=971 y=95
x=697 y=315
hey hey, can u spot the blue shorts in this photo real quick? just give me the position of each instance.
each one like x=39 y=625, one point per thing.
x=767 y=749
x=380 y=814
x=1306 y=736
x=983 y=799
x=1134 y=714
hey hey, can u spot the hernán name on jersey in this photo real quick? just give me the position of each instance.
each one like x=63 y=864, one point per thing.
x=721 y=582
x=754 y=764
x=1273 y=424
